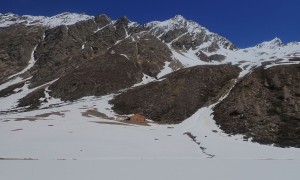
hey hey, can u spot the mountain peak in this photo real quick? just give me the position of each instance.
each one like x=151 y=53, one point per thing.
x=276 y=42
x=178 y=18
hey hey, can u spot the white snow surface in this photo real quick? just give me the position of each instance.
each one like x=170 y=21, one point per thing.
x=267 y=54
x=149 y=169
x=66 y=134
x=57 y=20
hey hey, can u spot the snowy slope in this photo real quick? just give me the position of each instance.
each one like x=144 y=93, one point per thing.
x=57 y=20
x=269 y=53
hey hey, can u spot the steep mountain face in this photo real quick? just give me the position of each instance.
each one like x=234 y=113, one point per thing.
x=264 y=106
x=46 y=61
x=182 y=34
x=16 y=46
x=189 y=38
x=178 y=95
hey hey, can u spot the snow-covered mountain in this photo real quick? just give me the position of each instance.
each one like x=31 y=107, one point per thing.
x=57 y=20
x=82 y=75
x=189 y=33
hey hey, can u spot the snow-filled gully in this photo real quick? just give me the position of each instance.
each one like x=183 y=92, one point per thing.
x=207 y=111
x=31 y=63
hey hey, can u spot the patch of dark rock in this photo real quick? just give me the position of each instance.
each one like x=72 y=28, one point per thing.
x=32 y=100
x=173 y=34
x=295 y=59
x=26 y=119
x=95 y=113
x=264 y=106
x=50 y=114
x=11 y=89
x=179 y=95
x=217 y=57
x=214 y=57
x=203 y=149
x=190 y=135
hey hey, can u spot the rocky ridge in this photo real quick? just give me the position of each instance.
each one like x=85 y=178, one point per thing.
x=70 y=56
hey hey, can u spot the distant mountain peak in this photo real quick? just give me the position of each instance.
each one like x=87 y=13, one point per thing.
x=274 y=43
x=276 y=40
x=178 y=18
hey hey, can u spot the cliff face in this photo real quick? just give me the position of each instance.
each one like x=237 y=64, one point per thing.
x=16 y=46
x=178 y=95
x=264 y=106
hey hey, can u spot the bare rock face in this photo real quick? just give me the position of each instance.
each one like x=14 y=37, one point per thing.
x=66 y=48
x=33 y=99
x=61 y=51
x=264 y=106
x=214 y=57
x=16 y=45
x=178 y=96
x=100 y=76
x=145 y=50
x=103 y=20
x=11 y=89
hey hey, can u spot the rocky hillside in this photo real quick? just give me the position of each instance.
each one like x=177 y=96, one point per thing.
x=165 y=70
x=178 y=95
x=264 y=105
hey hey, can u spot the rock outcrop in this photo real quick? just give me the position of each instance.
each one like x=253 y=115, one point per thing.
x=16 y=45
x=103 y=75
x=178 y=95
x=264 y=106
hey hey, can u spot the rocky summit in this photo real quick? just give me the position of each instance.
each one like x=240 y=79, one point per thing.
x=166 y=71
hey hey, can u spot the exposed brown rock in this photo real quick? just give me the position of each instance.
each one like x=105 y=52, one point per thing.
x=61 y=51
x=217 y=57
x=178 y=96
x=146 y=50
x=11 y=89
x=173 y=34
x=103 y=75
x=264 y=106
x=32 y=100
x=16 y=45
